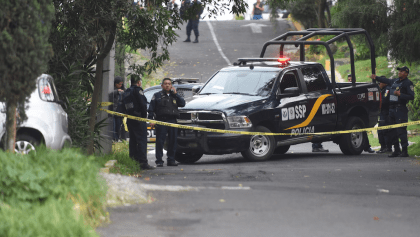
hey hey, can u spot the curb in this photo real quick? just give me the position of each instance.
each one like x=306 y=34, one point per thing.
x=109 y=164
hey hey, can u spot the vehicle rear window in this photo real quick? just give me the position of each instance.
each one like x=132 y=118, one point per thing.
x=314 y=79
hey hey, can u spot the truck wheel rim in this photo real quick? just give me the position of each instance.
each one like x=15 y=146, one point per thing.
x=357 y=137
x=23 y=147
x=259 y=146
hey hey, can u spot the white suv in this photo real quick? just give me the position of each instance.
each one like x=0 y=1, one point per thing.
x=47 y=121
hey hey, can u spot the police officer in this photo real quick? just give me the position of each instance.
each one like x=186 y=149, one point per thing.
x=401 y=91
x=383 y=135
x=135 y=103
x=164 y=107
x=366 y=145
x=196 y=10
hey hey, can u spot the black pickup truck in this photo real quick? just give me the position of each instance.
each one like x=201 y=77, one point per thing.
x=279 y=96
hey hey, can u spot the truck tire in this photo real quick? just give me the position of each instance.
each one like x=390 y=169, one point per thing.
x=25 y=143
x=352 y=143
x=187 y=158
x=261 y=147
x=281 y=150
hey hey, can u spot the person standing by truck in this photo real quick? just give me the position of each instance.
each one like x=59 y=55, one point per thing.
x=383 y=135
x=164 y=107
x=401 y=91
x=135 y=104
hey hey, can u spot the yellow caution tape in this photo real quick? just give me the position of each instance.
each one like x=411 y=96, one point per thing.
x=104 y=104
x=255 y=133
x=125 y=124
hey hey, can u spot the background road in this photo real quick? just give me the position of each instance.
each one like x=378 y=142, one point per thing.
x=297 y=194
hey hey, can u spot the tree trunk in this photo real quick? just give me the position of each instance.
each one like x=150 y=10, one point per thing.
x=321 y=14
x=328 y=15
x=10 y=126
x=94 y=103
x=98 y=86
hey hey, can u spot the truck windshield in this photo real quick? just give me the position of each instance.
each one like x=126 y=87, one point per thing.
x=255 y=83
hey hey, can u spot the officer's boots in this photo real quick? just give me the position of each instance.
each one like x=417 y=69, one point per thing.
x=404 y=152
x=382 y=150
x=188 y=39
x=396 y=152
x=196 y=39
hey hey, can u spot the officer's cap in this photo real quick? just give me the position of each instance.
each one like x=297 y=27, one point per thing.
x=403 y=68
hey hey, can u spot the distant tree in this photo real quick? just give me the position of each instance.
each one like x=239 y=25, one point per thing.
x=24 y=53
x=404 y=34
x=311 y=13
x=393 y=27
x=370 y=15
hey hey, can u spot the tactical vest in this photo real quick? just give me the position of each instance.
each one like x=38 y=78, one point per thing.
x=167 y=106
x=397 y=85
x=129 y=101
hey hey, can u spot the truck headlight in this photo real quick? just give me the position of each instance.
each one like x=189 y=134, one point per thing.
x=239 y=122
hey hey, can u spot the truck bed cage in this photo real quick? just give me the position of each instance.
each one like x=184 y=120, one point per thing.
x=185 y=80
x=339 y=34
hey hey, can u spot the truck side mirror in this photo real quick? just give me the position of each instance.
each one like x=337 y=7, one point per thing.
x=289 y=92
x=195 y=89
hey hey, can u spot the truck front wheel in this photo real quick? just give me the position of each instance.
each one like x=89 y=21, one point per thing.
x=261 y=147
x=187 y=158
x=352 y=143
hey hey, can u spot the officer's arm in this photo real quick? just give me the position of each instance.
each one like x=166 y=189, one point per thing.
x=384 y=80
x=409 y=89
x=179 y=100
x=152 y=107
x=143 y=106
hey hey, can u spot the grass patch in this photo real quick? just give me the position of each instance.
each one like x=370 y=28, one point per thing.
x=59 y=189
x=363 y=69
x=125 y=165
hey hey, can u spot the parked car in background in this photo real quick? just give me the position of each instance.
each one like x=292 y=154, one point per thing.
x=47 y=121
x=280 y=14
x=183 y=87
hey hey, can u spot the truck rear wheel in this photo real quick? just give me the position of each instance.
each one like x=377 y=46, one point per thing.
x=261 y=147
x=352 y=143
x=187 y=158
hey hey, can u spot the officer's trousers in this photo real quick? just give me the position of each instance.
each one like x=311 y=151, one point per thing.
x=399 y=115
x=192 y=25
x=161 y=132
x=383 y=135
x=138 y=141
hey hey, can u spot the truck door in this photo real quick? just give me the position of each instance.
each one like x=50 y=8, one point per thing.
x=292 y=110
x=320 y=98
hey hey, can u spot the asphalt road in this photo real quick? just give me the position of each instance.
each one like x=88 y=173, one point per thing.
x=297 y=194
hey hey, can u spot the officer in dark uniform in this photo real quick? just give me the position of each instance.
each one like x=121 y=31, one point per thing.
x=164 y=107
x=383 y=135
x=193 y=21
x=401 y=91
x=135 y=104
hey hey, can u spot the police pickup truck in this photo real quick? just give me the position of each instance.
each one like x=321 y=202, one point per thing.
x=276 y=95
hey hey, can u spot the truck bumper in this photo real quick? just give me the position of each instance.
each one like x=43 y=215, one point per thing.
x=211 y=143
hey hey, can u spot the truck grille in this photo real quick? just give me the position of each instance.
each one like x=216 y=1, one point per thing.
x=208 y=119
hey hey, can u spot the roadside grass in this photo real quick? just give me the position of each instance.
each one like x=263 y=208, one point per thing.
x=51 y=193
x=125 y=165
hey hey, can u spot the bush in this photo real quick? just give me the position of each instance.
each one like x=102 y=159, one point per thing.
x=46 y=182
x=414 y=105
